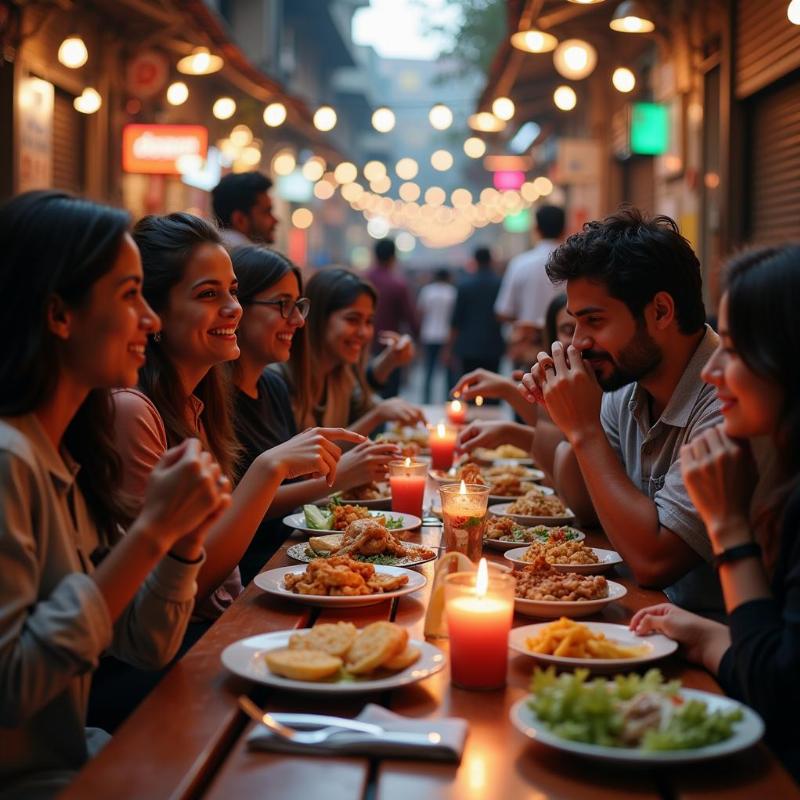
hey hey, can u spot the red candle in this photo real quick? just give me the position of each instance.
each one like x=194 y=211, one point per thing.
x=479 y=612
x=442 y=442
x=457 y=412
x=407 y=481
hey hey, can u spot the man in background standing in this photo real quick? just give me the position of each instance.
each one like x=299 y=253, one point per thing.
x=526 y=290
x=435 y=306
x=243 y=207
x=394 y=312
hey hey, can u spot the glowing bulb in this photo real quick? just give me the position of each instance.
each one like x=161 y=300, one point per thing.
x=374 y=170
x=624 y=80
x=200 y=62
x=224 y=108
x=482 y=579
x=533 y=41
x=441 y=160
x=381 y=185
x=435 y=196
x=284 y=162
x=486 y=121
x=474 y=147
x=409 y=192
x=88 y=101
x=503 y=108
x=455 y=406
x=345 y=172
x=405 y=242
x=793 y=12
x=73 y=53
x=250 y=156
x=479 y=400
x=241 y=136
x=565 y=98
x=275 y=114
x=406 y=168
x=383 y=119
x=440 y=117
x=575 y=59
x=324 y=190
x=324 y=118
x=302 y=218
x=542 y=185
x=314 y=168
x=177 y=93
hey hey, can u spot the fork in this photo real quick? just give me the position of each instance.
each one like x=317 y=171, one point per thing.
x=356 y=730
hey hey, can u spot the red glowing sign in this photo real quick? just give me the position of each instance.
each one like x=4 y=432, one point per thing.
x=504 y=180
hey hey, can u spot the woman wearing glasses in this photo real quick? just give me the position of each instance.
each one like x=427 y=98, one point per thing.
x=270 y=330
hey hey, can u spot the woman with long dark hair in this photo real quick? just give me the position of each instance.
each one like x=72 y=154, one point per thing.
x=757 y=376
x=340 y=329
x=75 y=324
x=271 y=329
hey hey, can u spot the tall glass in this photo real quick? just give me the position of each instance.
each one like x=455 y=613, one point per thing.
x=464 y=517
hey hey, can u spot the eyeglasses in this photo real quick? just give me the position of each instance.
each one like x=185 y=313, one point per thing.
x=287 y=306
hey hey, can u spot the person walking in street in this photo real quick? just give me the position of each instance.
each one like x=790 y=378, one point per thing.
x=435 y=306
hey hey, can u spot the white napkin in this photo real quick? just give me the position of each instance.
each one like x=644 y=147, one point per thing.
x=452 y=733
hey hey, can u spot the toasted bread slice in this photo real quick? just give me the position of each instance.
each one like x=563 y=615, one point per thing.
x=402 y=660
x=329 y=637
x=325 y=544
x=303 y=665
x=376 y=644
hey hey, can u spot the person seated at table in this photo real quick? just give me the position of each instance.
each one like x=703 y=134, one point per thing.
x=539 y=436
x=756 y=375
x=75 y=324
x=627 y=395
x=271 y=327
x=339 y=329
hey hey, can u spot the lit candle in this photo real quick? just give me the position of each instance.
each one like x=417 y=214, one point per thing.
x=442 y=442
x=407 y=481
x=464 y=517
x=479 y=610
x=456 y=412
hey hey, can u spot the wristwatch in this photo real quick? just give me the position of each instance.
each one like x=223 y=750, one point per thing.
x=737 y=553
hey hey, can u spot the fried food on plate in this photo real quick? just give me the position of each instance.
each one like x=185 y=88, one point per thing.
x=540 y=581
x=570 y=639
x=375 y=645
x=329 y=637
x=341 y=576
x=561 y=552
x=535 y=504
x=303 y=665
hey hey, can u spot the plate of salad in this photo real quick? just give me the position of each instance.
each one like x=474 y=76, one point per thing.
x=337 y=516
x=633 y=718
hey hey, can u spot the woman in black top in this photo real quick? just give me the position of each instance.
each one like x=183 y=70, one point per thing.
x=271 y=328
x=757 y=374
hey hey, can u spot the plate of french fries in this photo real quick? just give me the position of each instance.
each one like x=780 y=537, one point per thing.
x=599 y=646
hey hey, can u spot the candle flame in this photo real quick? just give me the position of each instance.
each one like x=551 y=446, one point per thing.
x=482 y=581
x=479 y=401
x=455 y=405
x=463 y=487
x=456 y=394
x=440 y=430
x=408 y=462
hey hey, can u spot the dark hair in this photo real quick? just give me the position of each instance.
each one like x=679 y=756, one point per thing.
x=635 y=257
x=167 y=245
x=483 y=256
x=329 y=290
x=551 y=315
x=258 y=268
x=238 y=191
x=384 y=250
x=442 y=275
x=55 y=244
x=550 y=221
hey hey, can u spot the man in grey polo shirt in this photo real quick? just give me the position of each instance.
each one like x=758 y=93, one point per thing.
x=634 y=288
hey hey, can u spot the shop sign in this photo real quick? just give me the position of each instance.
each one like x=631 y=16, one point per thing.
x=146 y=74
x=155 y=149
x=35 y=100
x=649 y=129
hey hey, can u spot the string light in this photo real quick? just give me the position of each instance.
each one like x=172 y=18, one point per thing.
x=486 y=122
x=88 y=101
x=374 y=170
x=241 y=136
x=440 y=117
x=575 y=59
x=474 y=147
x=275 y=114
x=324 y=118
x=565 y=98
x=534 y=41
x=200 y=62
x=345 y=172
x=72 y=52
x=177 y=93
x=503 y=108
x=383 y=119
x=283 y=162
x=224 y=108
x=624 y=80
x=441 y=160
x=314 y=168
x=302 y=218
x=406 y=168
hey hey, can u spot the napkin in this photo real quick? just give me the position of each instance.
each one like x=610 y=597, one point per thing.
x=448 y=745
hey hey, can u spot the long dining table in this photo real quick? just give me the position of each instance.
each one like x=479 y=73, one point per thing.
x=188 y=738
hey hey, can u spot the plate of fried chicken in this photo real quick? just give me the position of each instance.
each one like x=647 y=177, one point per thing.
x=339 y=581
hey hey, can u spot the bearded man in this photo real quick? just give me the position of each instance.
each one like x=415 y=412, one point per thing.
x=627 y=394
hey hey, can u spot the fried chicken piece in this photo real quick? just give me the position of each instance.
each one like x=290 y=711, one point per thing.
x=344 y=515
x=471 y=473
x=367 y=537
x=386 y=583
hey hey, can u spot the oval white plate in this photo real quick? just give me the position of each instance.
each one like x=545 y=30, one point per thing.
x=499 y=544
x=550 y=609
x=608 y=558
x=746 y=733
x=499 y=498
x=246 y=658
x=301 y=552
x=441 y=476
x=658 y=646
x=272 y=583
x=485 y=456
x=502 y=511
x=298 y=522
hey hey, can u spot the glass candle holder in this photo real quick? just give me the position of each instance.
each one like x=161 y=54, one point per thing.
x=442 y=441
x=479 y=608
x=407 y=482
x=456 y=412
x=464 y=517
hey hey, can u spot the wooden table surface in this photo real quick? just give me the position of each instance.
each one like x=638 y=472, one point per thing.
x=187 y=739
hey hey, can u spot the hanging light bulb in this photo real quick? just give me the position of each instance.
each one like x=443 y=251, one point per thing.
x=200 y=62
x=441 y=160
x=284 y=162
x=88 y=101
x=224 y=107
x=72 y=52
x=503 y=108
x=314 y=168
x=624 y=80
x=474 y=147
x=440 y=117
x=631 y=16
x=324 y=118
x=275 y=114
x=793 y=12
x=534 y=41
x=383 y=119
x=486 y=122
x=346 y=172
x=565 y=98
x=302 y=218
x=575 y=59
x=241 y=136
x=177 y=93
x=373 y=170
x=406 y=168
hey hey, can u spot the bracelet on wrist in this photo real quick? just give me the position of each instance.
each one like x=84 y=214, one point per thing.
x=189 y=561
x=737 y=553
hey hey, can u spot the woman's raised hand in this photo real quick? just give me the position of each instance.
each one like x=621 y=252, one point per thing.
x=365 y=463
x=484 y=383
x=395 y=409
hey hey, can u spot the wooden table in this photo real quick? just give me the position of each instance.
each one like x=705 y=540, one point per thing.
x=187 y=739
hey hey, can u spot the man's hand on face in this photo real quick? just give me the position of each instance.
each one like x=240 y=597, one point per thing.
x=568 y=388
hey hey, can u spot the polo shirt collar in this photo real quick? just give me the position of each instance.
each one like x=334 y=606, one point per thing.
x=63 y=470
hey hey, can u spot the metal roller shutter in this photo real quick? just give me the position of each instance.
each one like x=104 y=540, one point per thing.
x=68 y=144
x=775 y=164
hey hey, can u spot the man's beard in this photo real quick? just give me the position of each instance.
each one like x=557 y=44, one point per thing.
x=635 y=361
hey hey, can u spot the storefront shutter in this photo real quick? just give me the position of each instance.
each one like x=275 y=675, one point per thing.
x=68 y=139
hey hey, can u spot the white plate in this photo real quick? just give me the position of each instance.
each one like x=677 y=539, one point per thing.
x=608 y=558
x=485 y=456
x=658 y=646
x=746 y=733
x=381 y=503
x=441 y=476
x=272 y=583
x=499 y=498
x=499 y=544
x=550 y=609
x=502 y=511
x=301 y=552
x=298 y=521
x=246 y=658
